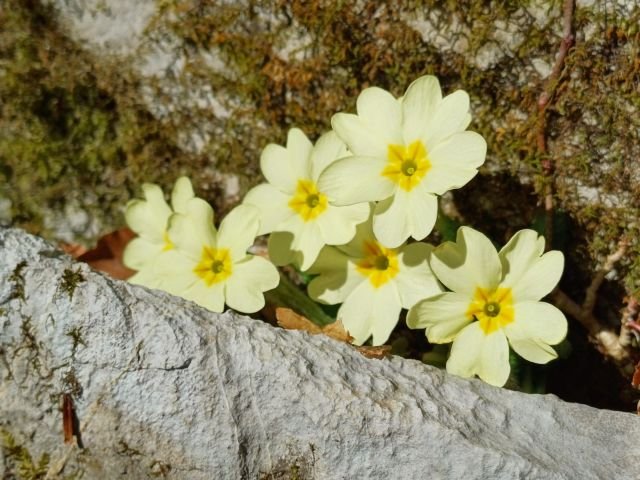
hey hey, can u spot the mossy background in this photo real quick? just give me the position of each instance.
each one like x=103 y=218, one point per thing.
x=82 y=126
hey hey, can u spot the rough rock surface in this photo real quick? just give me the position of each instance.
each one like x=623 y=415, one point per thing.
x=165 y=389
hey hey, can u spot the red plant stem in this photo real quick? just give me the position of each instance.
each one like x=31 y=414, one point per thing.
x=544 y=100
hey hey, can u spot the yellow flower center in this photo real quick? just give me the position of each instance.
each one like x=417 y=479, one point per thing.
x=168 y=245
x=380 y=263
x=308 y=202
x=215 y=265
x=493 y=309
x=407 y=166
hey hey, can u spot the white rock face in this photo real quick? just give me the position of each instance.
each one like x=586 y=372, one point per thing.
x=163 y=388
x=116 y=26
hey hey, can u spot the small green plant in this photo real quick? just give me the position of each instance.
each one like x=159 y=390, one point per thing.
x=70 y=280
x=17 y=290
x=20 y=460
x=344 y=210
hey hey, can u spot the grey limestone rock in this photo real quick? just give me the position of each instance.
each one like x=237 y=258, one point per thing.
x=165 y=389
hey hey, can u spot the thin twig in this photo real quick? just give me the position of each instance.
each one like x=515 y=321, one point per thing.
x=544 y=101
x=608 y=341
x=629 y=321
x=592 y=291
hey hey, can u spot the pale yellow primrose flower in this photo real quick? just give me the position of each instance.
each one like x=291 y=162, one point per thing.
x=302 y=218
x=405 y=152
x=372 y=282
x=148 y=218
x=212 y=267
x=493 y=303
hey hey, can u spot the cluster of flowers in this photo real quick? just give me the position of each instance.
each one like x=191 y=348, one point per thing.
x=344 y=210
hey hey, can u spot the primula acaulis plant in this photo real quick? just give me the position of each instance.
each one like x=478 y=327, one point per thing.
x=184 y=254
x=302 y=218
x=344 y=211
x=212 y=267
x=372 y=282
x=149 y=218
x=404 y=152
x=493 y=303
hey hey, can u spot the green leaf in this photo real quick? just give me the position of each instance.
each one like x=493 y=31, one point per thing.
x=437 y=357
x=561 y=230
x=446 y=227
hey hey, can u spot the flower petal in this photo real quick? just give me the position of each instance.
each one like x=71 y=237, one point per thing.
x=530 y=274
x=175 y=272
x=537 y=325
x=273 y=205
x=280 y=246
x=148 y=218
x=391 y=220
x=356 y=247
x=181 y=194
x=375 y=127
x=338 y=224
x=382 y=113
x=415 y=280
x=327 y=150
x=419 y=105
x=370 y=311
x=145 y=277
x=299 y=148
x=474 y=353
x=451 y=116
x=443 y=316
x=355 y=180
x=454 y=162
x=192 y=230
x=283 y=167
x=423 y=212
x=470 y=262
x=337 y=277
x=359 y=137
x=238 y=230
x=211 y=297
x=140 y=252
x=299 y=242
x=250 y=278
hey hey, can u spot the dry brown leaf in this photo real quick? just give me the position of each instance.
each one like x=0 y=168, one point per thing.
x=73 y=249
x=383 y=351
x=291 y=320
x=107 y=255
x=635 y=381
x=337 y=331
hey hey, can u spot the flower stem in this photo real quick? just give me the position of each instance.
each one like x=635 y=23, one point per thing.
x=287 y=294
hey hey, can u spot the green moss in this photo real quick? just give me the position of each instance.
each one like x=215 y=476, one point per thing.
x=157 y=468
x=17 y=290
x=284 y=471
x=71 y=383
x=72 y=131
x=20 y=461
x=75 y=334
x=32 y=348
x=28 y=336
x=70 y=280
